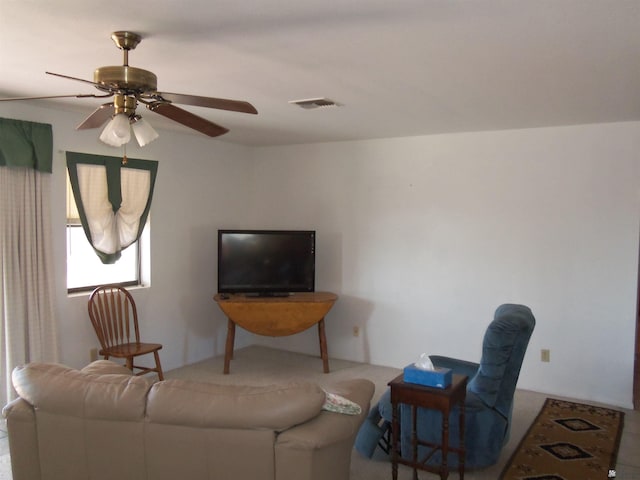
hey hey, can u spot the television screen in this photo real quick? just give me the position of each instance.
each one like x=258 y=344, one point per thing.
x=266 y=262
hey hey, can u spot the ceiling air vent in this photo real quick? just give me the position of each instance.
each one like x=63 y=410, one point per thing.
x=311 y=103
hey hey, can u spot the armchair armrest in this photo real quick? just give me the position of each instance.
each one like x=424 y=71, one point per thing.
x=460 y=367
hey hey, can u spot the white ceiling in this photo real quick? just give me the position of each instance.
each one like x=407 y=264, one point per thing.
x=397 y=67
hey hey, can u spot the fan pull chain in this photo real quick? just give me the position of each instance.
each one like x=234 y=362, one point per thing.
x=124 y=154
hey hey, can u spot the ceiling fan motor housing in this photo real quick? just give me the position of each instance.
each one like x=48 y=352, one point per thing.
x=129 y=80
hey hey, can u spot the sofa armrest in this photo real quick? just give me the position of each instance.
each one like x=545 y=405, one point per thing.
x=329 y=427
x=460 y=367
x=23 y=440
x=326 y=441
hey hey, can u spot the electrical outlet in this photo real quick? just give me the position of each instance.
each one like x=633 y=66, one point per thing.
x=545 y=355
x=93 y=354
x=356 y=331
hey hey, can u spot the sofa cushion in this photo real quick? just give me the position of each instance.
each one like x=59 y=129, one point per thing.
x=59 y=389
x=208 y=405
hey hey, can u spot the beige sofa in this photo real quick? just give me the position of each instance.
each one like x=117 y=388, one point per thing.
x=102 y=423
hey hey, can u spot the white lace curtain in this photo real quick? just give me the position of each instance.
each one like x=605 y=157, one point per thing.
x=28 y=330
x=113 y=199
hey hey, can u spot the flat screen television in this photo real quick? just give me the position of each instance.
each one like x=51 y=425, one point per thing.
x=266 y=262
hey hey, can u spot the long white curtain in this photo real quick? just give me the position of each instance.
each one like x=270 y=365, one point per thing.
x=27 y=319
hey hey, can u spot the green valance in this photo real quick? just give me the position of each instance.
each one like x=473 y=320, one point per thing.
x=26 y=144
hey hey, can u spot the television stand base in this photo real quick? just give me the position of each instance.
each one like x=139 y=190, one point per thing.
x=276 y=317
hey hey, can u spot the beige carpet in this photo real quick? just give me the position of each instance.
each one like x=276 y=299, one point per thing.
x=5 y=467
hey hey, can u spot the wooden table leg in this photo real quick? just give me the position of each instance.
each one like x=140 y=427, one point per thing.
x=462 y=452
x=395 y=447
x=323 y=346
x=414 y=440
x=228 y=349
x=444 y=466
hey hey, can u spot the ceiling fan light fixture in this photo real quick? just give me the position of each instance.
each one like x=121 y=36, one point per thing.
x=117 y=132
x=143 y=131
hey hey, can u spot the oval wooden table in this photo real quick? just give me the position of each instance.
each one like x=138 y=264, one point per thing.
x=276 y=317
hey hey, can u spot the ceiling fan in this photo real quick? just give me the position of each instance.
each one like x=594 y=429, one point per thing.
x=130 y=86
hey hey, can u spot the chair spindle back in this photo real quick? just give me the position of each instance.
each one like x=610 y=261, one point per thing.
x=114 y=316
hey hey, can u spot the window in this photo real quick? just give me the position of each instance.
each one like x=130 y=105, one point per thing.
x=85 y=271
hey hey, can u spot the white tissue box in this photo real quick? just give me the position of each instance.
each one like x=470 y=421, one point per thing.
x=438 y=377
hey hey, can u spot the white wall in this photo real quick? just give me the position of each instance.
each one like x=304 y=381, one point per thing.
x=424 y=237
x=196 y=192
x=421 y=237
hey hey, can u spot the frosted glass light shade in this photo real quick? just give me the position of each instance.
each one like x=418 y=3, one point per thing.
x=121 y=127
x=117 y=132
x=144 y=132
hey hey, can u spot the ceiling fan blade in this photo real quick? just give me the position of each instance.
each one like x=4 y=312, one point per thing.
x=99 y=116
x=79 y=95
x=187 y=119
x=73 y=78
x=209 y=102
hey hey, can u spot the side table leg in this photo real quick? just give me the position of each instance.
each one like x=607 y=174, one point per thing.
x=323 y=346
x=444 y=468
x=228 y=348
x=414 y=440
x=462 y=452
x=395 y=447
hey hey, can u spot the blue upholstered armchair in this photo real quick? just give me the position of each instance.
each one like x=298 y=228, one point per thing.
x=489 y=401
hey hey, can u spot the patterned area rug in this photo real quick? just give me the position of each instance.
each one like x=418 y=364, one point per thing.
x=568 y=441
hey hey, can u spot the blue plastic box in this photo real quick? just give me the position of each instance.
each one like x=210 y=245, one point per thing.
x=438 y=377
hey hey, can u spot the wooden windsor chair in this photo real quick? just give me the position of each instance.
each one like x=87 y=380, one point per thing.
x=114 y=317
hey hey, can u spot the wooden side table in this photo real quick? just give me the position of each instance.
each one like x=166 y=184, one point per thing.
x=442 y=399
x=276 y=317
